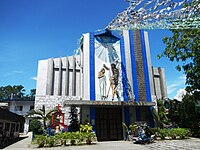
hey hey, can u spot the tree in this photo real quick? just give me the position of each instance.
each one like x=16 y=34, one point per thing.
x=184 y=48
x=160 y=116
x=12 y=92
x=41 y=114
x=35 y=126
x=32 y=93
x=16 y=92
x=186 y=114
x=74 y=122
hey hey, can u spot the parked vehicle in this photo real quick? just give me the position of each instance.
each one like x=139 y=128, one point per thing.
x=143 y=135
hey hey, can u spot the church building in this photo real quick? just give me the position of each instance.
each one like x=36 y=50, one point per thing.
x=110 y=80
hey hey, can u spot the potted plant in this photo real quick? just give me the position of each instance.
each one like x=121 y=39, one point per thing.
x=40 y=140
x=73 y=138
x=132 y=128
x=88 y=133
x=51 y=141
x=89 y=137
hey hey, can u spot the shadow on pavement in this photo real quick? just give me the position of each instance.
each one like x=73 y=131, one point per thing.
x=10 y=142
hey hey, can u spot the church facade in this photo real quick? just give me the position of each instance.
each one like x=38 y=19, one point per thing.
x=111 y=80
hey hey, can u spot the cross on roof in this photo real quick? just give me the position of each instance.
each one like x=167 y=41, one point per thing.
x=59 y=108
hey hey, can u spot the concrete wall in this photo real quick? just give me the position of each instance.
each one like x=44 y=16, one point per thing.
x=51 y=102
x=59 y=76
x=26 y=108
x=159 y=83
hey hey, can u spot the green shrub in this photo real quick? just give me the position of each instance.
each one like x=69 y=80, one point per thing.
x=85 y=136
x=132 y=127
x=89 y=137
x=181 y=132
x=50 y=141
x=86 y=128
x=35 y=126
x=87 y=133
x=174 y=133
x=65 y=138
x=75 y=138
x=163 y=133
x=40 y=140
x=155 y=131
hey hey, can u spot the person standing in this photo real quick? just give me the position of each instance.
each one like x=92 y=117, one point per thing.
x=114 y=81
x=102 y=83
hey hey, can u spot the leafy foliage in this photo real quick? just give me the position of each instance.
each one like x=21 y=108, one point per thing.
x=15 y=92
x=184 y=48
x=35 y=126
x=133 y=127
x=186 y=114
x=41 y=114
x=174 y=133
x=40 y=140
x=84 y=136
x=74 y=122
x=87 y=133
x=160 y=117
x=86 y=128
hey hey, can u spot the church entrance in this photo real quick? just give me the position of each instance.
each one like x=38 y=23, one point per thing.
x=109 y=124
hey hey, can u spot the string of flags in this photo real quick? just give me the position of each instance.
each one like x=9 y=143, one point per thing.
x=158 y=14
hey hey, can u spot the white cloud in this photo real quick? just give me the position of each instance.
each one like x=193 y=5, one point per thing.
x=18 y=71
x=171 y=90
x=175 y=86
x=14 y=72
x=179 y=94
x=182 y=78
x=34 y=78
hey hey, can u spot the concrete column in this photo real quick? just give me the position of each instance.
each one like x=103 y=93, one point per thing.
x=81 y=73
x=86 y=66
x=50 y=77
x=67 y=78
x=146 y=38
x=74 y=77
x=59 y=76
x=139 y=66
x=128 y=57
x=154 y=85
x=162 y=82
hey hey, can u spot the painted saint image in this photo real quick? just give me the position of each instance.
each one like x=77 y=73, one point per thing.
x=102 y=82
x=114 y=78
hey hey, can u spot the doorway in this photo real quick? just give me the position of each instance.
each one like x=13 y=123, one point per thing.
x=109 y=124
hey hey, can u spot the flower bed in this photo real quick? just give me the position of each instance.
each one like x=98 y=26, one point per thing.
x=85 y=136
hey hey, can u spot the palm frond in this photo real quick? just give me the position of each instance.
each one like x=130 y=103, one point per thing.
x=48 y=115
x=34 y=112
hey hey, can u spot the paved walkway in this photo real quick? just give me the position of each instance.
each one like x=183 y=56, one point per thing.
x=188 y=144
x=22 y=144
